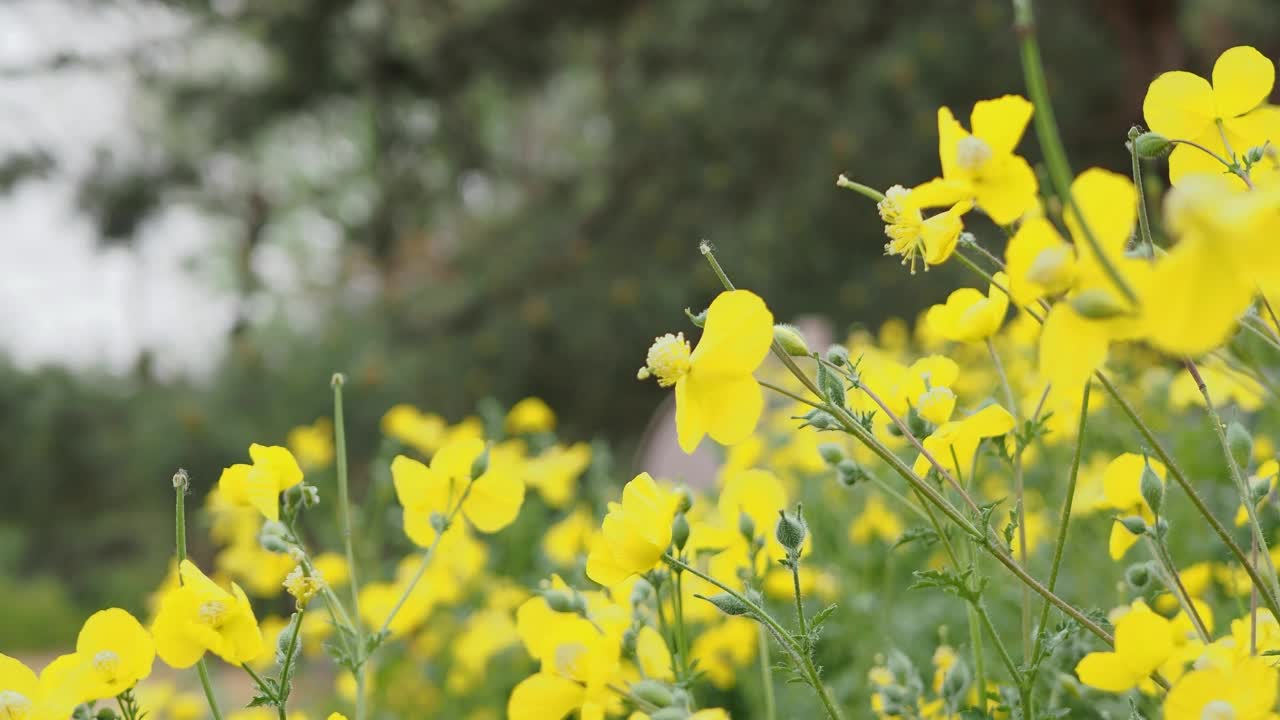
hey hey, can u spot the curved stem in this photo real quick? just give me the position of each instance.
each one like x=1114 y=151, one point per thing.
x=1144 y=221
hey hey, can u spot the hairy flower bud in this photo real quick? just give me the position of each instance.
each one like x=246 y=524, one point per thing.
x=1134 y=524
x=1152 y=489
x=680 y=531
x=1138 y=576
x=727 y=604
x=1240 y=443
x=831 y=453
x=746 y=527
x=1152 y=145
x=831 y=385
x=653 y=692
x=838 y=355
x=790 y=339
x=791 y=531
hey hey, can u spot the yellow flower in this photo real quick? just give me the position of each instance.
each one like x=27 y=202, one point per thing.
x=1184 y=106
x=568 y=539
x=51 y=696
x=1244 y=692
x=337 y=716
x=1144 y=640
x=259 y=485
x=962 y=437
x=302 y=586
x=554 y=473
x=915 y=238
x=423 y=432
x=876 y=521
x=115 y=652
x=491 y=501
x=530 y=415
x=937 y=404
x=982 y=166
x=756 y=493
x=199 y=616
x=1121 y=482
x=312 y=444
x=716 y=393
x=635 y=532
x=721 y=650
x=1039 y=261
x=970 y=316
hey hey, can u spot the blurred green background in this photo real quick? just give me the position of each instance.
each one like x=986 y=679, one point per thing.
x=514 y=190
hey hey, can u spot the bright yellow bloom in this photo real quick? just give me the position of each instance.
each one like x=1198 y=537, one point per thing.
x=530 y=415
x=491 y=501
x=312 y=444
x=259 y=485
x=937 y=404
x=566 y=541
x=1121 y=483
x=1244 y=692
x=876 y=521
x=962 y=437
x=915 y=238
x=554 y=473
x=635 y=532
x=115 y=652
x=716 y=393
x=199 y=616
x=406 y=423
x=970 y=316
x=51 y=696
x=1223 y=117
x=982 y=167
x=1144 y=640
x=1039 y=261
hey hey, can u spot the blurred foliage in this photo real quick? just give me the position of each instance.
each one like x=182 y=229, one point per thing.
x=515 y=190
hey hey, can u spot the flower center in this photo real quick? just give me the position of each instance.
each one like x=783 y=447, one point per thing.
x=972 y=153
x=14 y=705
x=213 y=613
x=107 y=664
x=903 y=225
x=1218 y=710
x=668 y=359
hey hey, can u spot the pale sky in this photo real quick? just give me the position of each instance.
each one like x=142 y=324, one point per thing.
x=63 y=300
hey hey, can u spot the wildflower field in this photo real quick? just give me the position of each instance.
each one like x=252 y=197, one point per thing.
x=1053 y=495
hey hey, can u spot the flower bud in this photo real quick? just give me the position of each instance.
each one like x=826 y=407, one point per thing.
x=1138 y=576
x=1240 y=443
x=831 y=453
x=310 y=495
x=481 y=464
x=273 y=537
x=791 y=531
x=1162 y=527
x=790 y=339
x=1152 y=489
x=182 y=483
x=680 y=531
x=684 y=499
x=819 y=419
x=746 y=527
x=1151 y=145
x=1259 y=489
x=564 y=601
x=838 y=355
x=1098 y=304
x=629 y=638
x=849 y=472
x=670 y=713
x=831 y=385
x=727 y=604
x=955 y=683
x=652 y=692
x=918 y=426
x=439 y=522
x=1134 y=524
x=699 y=320
x=105 y=713
x=641 y=591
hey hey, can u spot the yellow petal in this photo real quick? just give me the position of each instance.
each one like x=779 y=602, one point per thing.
x=544 y=696
x=1007 y=189
x=1071 y=348
x=737 y=335
x=1107 y=672
x=691 y=418
x=1143 y=639
x=1179 y=105
x=1195 y=299
x=494 y=500
x=1121 y=480
x=1242 y=80
x=1120 y=541
x=17 y=677
x=942 y=231
x=731 y=405
x=949 y=136
x=453 y=462
x=651 y=651
x=1039 y=261
x=601 y=566
x=1109 y=203
x=1001 y=122
x=939 y=192
x=990 y=421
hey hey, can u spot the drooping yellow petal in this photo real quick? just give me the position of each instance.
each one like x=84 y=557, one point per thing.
x=950 y=133
x=1007 y=189
x=731 y=405
x=941 y=232
x=1242 y=80
x=652 y=653
x=494 y=500
x=1109 y=204
x=737 y=335
x=691 y=418
x=1071 y=348
x=544 y=696
x=1120 y=540
x=1105 y=671
x=1195 y=299
x=1001 y=122
x=938 y=192
x=1179 y=105
x=1143 y=639
x=990 y=421
x=1039 y=262
x=1121 y=480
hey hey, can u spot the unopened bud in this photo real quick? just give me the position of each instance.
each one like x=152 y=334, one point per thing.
x=670 y=713
x=831 y=385
x=338 y=380
x=181 y=481
x=1259 y=489
x=684 y=499
x=1134 y=524
x=310 y=495
x=653 y=692
x=564 y=601
x=1240 y=443
x=273 y=537
x=791 y=531
x=790 y=339
x=1098 y=304
x=480 y=465
x=1152 y=145
x=820 y=419
x=680 y=531
x=1152 y=488
x=1162 y=527
x=727 y=604
x=699 y=320
x=641 y=591
x=850 y=472
x=955 y=683
x=1138 y=576
x=746 y=527
x=831 y=453
x=838 y=355
x=629 y=638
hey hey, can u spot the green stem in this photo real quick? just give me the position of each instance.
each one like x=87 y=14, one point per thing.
x=1055 y=155
x=344 y=522
x=795 y=585
x=1237 y=476
x=1232 y=167
x=1019 y=490
x=417 y=576
x=803 y=662
x=1144 y=222
x=1174 y=582
x=766 y=677
x=1179 y=477
x=866 y=191
x=180 y=485
x=286 y=666
x=677 y=607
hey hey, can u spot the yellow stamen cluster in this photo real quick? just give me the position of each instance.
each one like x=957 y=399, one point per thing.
x=302 y=587
x=902 y=224
x=668 y=359
x=107 y=664
x=972 y=153
x=213 y=613
x=14 y=705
